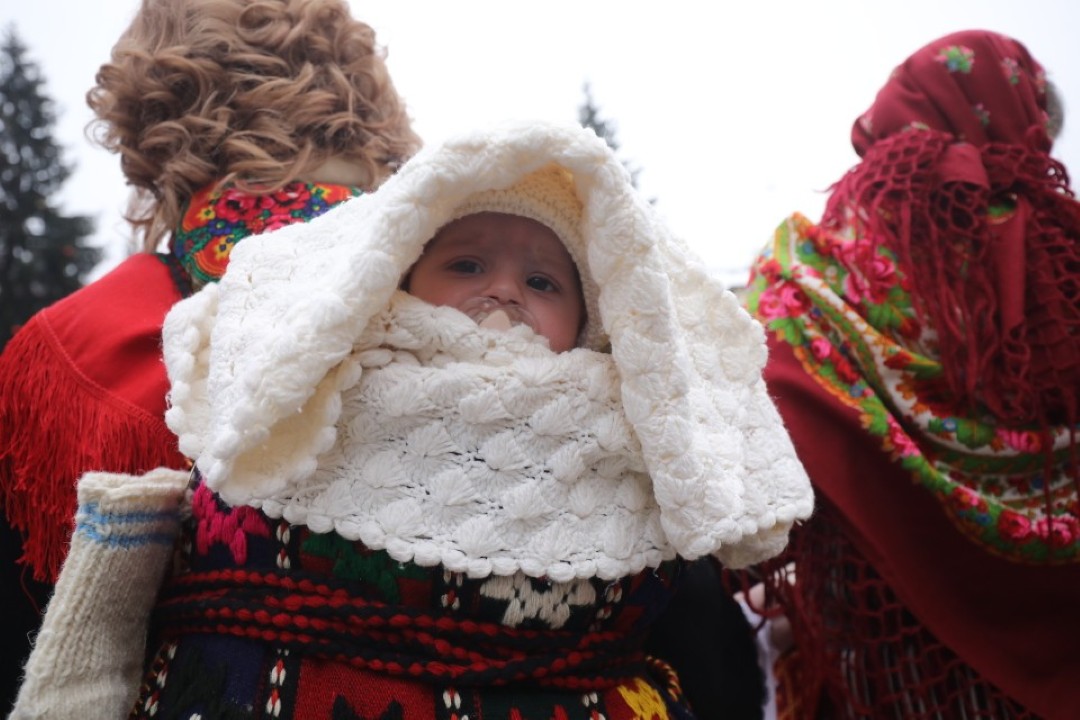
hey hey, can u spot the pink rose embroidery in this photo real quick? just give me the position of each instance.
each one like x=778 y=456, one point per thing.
x=794 y=300
x=1014 y=526
x=901 y=440
x=964 y=499
x=770 y=306
x=821 y=348
x=1022 y=440
x=868 y=281
x=1058 y=531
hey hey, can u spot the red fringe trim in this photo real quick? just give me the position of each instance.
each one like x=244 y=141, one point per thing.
x=56 y=425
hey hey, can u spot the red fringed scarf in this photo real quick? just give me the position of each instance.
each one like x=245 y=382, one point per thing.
x=82 y=385
x=959 y=130
x=925 y=356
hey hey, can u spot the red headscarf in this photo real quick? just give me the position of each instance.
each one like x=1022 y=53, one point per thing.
x=949 y=253
x=977 y=86
x=956 y=180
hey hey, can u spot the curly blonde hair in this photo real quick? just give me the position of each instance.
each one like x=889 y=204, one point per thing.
x=258 y=93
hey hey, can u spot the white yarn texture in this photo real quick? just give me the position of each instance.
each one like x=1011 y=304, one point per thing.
x=485 y=452
x=259 y=363
x=88 y=656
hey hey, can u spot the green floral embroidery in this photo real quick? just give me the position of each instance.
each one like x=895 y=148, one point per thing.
x=957 y=58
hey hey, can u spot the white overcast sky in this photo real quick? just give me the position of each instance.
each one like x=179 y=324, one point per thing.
x=736 y=113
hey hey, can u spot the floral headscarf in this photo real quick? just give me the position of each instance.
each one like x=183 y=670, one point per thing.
x=956 y=182
x=940 y=295
x=979 y=87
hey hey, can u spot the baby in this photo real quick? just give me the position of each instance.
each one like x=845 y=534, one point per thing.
x=435 y=476
x=503 y=260
x=503 y=270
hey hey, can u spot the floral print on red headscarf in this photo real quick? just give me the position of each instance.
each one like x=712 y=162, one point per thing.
x=939 y=296
x=979 y=87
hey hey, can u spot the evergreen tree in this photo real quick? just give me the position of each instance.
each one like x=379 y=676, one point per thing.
x=589 y=116
x=43 y=255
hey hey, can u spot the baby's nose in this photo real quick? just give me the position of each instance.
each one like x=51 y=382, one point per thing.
x=505 y=288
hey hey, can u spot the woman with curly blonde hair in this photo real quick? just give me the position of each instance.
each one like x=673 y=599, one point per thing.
x=231 y=117
x=257 y=94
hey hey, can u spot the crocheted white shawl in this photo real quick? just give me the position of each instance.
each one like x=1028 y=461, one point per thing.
x=307 y=385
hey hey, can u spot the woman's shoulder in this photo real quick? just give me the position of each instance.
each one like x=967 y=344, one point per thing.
x=110 y=330
x=144 y=281
x=82 y=386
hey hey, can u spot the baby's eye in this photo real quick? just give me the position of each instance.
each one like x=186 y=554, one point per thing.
x=541 y=283
x=466 y=267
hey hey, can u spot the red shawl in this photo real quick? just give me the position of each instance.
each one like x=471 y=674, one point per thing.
x=926 y=359
x=961 y=126
x=83 y=384
x=82 y=387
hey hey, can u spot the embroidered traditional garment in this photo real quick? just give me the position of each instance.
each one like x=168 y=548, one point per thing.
x=861 y=338
x=314 y=626
x=927 y=330
x=401 y=513
x=258 y=363
x=311 y=621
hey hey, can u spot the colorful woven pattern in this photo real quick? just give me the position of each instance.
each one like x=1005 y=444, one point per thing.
x=217 y=218
x=300 y=625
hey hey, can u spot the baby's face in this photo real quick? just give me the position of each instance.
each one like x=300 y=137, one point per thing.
x=489 y=261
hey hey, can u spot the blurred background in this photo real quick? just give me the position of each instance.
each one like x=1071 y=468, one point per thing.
x=732 y=116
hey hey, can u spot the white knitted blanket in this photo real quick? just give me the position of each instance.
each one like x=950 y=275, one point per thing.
x=484 y=451
x=296 y=392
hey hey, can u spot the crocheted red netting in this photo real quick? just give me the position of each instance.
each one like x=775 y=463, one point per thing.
x=1002 y=292
x=860 y=652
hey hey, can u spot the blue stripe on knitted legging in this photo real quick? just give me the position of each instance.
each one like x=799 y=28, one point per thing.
x=126 y=529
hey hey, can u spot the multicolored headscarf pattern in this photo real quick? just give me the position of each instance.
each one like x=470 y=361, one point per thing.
x=216 y=218
x=938 y=296
x=859 y=336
